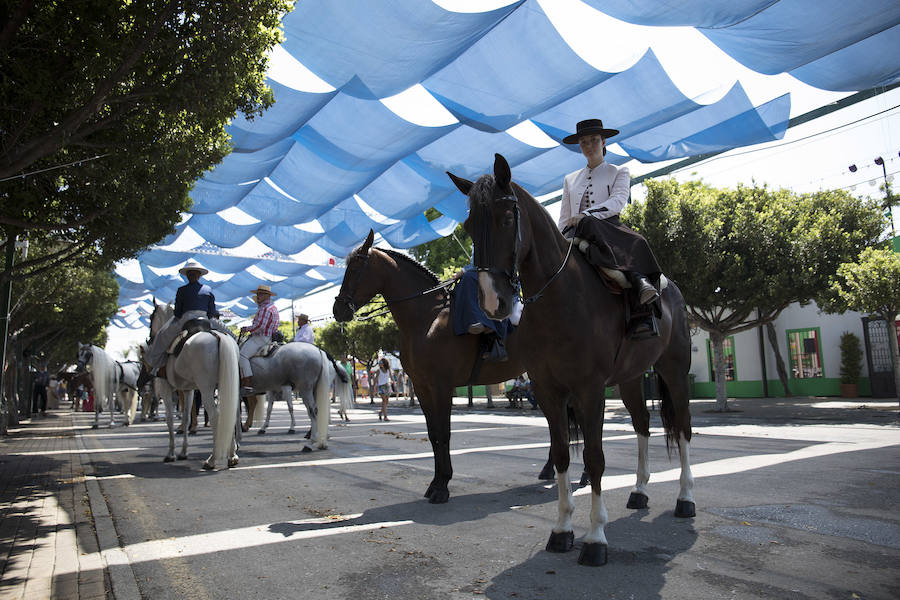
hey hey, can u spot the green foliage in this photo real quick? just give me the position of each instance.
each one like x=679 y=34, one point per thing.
x=871 y=284
x=445 y=252
x=851 y=358
x=148 y=88
x=360 y=339
x=71 y=303
x=735 y=251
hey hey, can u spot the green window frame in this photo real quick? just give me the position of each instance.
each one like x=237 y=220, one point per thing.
x=730 y=359
x=805 y=353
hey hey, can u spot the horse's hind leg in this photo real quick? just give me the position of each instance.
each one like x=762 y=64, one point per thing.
x=269 y=399
x=676 y=417
x=589 y=410
x=436 y=408
x=633 y=398
x=170 y=425
x=288 y=396
x=187 y=399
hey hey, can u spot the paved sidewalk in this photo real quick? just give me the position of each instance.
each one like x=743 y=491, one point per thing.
x=48 y=541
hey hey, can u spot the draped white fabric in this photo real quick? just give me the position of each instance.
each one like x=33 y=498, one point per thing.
x=332 y=160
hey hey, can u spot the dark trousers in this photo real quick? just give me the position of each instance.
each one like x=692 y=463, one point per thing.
x=39 y=398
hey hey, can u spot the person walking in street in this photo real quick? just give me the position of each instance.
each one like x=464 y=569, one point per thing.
x=384 y=380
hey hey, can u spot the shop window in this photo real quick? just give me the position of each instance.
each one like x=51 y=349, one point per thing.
x=805 y=353
x=728 y=350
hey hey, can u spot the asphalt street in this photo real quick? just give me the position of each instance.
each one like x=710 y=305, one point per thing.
x=796 y=498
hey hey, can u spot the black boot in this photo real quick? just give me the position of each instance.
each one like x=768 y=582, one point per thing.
x=497 y=351
x=643 y=289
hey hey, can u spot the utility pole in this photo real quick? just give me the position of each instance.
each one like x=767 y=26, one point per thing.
x=5 y=298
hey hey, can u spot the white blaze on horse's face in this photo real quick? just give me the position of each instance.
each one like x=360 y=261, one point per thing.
x=492 y=302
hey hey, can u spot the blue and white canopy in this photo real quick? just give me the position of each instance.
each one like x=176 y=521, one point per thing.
x=376 y=100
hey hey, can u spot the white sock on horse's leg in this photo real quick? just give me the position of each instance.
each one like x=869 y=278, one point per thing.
x=687 y=478
x=643 y=466
x=288 y=396
x=599 y=519
x=566 y=503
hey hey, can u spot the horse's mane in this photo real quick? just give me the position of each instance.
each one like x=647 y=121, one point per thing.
x=399 y=256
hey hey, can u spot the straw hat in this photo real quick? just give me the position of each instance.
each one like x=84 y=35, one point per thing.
x=263 y=289
x=192 y=265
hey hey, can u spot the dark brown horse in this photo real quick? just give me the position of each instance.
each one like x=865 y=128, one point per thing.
x=577 y=344
x=437 y=360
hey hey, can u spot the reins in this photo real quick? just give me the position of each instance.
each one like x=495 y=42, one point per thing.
x=537 y=296
x=383 y=310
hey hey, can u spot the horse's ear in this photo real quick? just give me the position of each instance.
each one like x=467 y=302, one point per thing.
x=502 y=174
x=464 y=185
x=369 y=240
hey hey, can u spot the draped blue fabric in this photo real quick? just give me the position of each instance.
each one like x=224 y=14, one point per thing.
x=323 y=168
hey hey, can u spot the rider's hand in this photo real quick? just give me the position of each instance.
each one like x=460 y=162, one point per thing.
x=573 y=221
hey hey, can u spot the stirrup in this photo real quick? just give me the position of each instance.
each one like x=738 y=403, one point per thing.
x=643 y=327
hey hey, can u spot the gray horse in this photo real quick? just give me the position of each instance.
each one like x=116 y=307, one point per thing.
x=304 y=368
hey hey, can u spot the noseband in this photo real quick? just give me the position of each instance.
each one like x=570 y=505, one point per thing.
x=485 y=263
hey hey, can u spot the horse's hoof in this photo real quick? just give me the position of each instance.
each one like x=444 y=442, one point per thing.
x=306 y=449
x=169 y=459
x=593 y=554
x=308 y=434
x=232 y=462
x=439 y=496
x=685 y=509
x=244 y=428
x=126 y=424
x=192 y=432
x=94 y=426
x=561 y=542
x=182 y=457
x=637 y=500
x=179 y=431
x=291 y=431
x=547 y=473
x=585 y=479
x=207 y=466
x=261 y=432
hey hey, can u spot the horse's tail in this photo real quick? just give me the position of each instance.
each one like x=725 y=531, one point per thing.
x=104 y=377
x=673 y=426
x=342 y=388
x=323 y=400
x=227 y=385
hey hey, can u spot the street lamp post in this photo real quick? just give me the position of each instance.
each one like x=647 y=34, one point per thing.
x=889 y=201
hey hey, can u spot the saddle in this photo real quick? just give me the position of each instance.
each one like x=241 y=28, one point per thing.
x=189 y=329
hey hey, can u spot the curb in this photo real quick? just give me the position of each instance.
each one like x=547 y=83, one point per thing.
x=121 y=576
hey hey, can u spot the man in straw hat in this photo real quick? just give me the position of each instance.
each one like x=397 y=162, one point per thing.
x=265 y=323
x=193 y=300
x=304 y=331
x=592 y=199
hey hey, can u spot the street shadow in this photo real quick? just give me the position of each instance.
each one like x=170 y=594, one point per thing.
x=641 y=553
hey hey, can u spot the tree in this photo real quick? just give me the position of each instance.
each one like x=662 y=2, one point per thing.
x=362 y=340
x=870 y=284
x=112 y=109
x=72 y=303
x=453 y=251
x=742 y=256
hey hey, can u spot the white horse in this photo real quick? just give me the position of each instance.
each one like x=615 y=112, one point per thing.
x=105 y=378
x=207 y=362
x=304 y=368
x=126 y=390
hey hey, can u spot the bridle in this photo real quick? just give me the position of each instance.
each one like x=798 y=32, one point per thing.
x=483 y=263
x=347 y=298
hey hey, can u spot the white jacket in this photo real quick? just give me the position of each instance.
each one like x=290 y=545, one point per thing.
x=609 y=189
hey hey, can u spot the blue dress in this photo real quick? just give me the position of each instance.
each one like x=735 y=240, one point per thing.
x=466 y=311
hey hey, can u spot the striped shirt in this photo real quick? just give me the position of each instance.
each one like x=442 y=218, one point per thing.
x=266 y=320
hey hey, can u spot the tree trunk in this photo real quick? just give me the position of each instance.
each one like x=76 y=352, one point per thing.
x=779 y=361
x=717 y=340
x=895 y=354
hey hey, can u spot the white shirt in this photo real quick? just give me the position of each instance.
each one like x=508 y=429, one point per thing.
x=604 y=189
x=305 y=334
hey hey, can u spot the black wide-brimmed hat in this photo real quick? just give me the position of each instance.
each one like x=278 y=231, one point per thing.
x=589 y=127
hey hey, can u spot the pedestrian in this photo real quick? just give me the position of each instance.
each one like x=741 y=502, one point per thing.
x=383 y=382
x=39 y=395
x=592 y=199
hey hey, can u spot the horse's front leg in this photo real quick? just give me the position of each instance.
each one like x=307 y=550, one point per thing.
x=288 y=394
x=590 y=414
x=436 y=407
x=562 y=536
x=684 y=506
